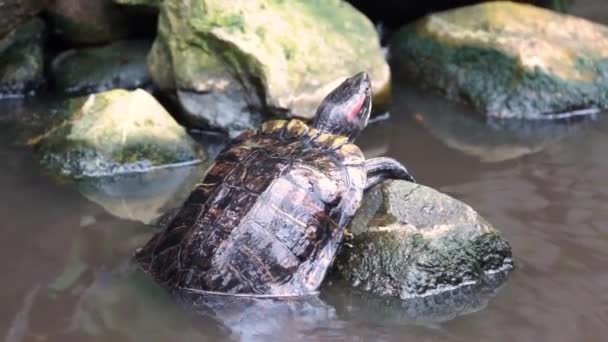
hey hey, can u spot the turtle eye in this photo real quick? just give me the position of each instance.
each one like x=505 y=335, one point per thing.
x=356 y=109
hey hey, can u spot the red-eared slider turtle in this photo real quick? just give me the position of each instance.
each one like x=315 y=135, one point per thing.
x=270 y=213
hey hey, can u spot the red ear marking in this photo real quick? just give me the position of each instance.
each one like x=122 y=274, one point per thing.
x=356 y=108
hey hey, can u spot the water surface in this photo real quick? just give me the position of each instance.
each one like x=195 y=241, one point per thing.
x=66 y=275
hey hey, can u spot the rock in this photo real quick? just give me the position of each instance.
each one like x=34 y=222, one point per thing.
x=228 y=67
x=88 y=22
x=355 y=305
x=15 y=12
x=115 y=132
x=22 y=59
x=509 y=60
x=117 y=65
x=410 y=240
x=152 y=4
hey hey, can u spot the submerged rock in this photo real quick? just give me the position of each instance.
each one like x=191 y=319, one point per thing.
x=228 y=67
x=361 y=306
x=90 y=70
x=22 y=58
x=410 y=240
x=509 y=60
x=115 y=132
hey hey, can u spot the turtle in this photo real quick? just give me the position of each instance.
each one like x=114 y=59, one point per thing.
x=270 y=213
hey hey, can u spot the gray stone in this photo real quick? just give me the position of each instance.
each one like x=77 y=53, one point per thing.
x=90 y=70
x=410 y=240
x=22 y=58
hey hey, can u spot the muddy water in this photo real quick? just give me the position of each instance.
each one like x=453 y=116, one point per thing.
x=65 y=248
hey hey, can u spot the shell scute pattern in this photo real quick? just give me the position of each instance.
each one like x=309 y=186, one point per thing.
x=267 y=217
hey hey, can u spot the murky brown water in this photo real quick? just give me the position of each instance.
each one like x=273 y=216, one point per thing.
x=64 y=257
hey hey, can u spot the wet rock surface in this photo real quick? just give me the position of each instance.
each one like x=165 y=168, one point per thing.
x=115 y=132
x=509 y=60
x=410 y=240
x=22 y=59
x=89 y=70
x=227 y=67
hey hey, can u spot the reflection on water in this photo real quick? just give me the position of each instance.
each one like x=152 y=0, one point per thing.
x=67 y=277
x=142 y=197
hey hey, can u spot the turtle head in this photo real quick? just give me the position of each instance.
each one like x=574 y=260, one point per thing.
x=346 y=109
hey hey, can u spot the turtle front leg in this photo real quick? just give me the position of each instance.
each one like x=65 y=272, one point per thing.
x=379 y=169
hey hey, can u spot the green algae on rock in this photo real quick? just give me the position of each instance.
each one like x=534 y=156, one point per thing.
x=22 y=58
x=228 y=66
x=410 y=240
x=509 y=60
x=115 y=132
x=120 y=64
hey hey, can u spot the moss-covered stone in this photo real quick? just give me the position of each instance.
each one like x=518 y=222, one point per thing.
x=508 y=59
x=229 y=65
x=410 y=240
x=115 y=132
x=117 y=65
x=22 y=58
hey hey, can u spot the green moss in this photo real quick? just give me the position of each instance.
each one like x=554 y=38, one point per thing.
x=486 y=55
x=494 y=82
x=93 y=140
x=241 y=58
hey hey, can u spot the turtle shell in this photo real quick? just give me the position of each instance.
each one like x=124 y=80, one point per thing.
x=267 y=218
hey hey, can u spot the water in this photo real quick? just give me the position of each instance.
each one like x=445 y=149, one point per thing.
x=64 y=256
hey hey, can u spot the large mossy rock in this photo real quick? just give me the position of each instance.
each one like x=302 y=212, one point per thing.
x=231 y=62
x=115 y=132
x=410 y=240
x=89 y=70
x=22 y=58
x=508 y=59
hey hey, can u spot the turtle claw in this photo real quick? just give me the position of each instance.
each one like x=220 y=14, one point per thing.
x=346 y=244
